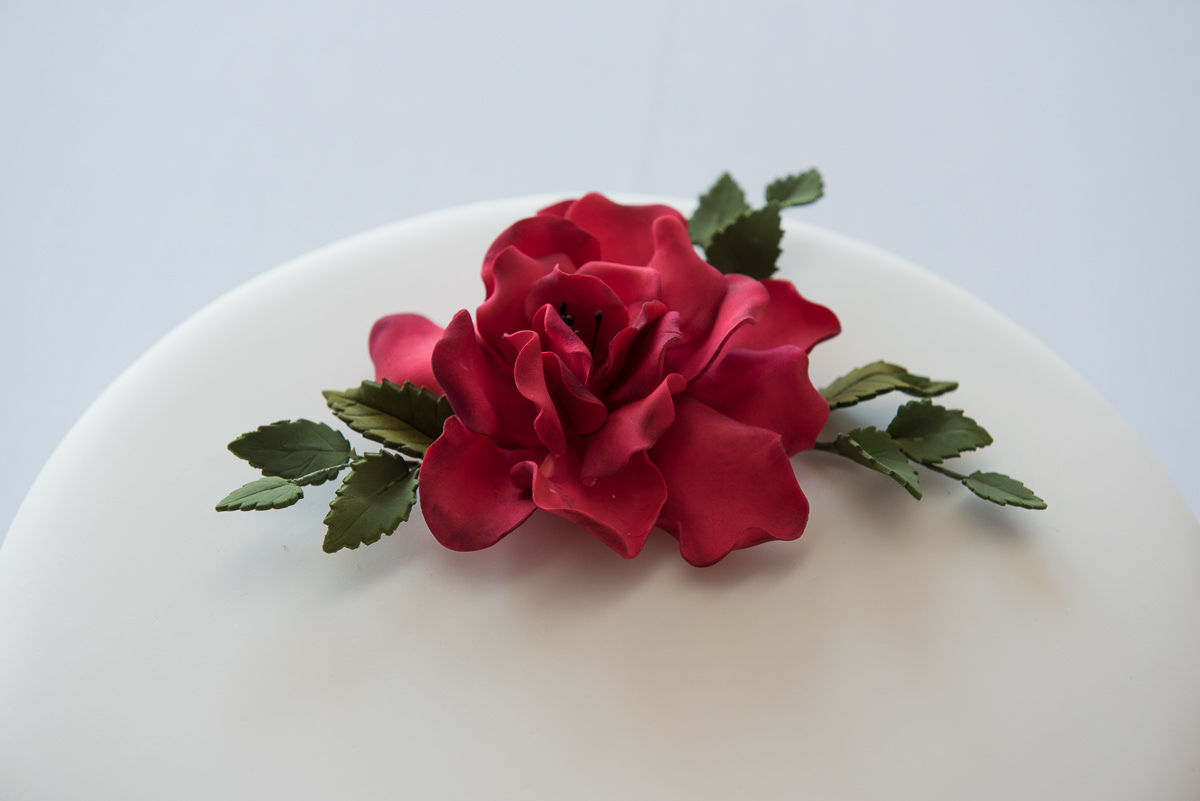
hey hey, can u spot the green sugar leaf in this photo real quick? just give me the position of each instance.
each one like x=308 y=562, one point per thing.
x=719 y=207
x=749 y=245
x=930 y=433
x=408 y=418
x=1000 y=489
x=271 y=492
x=873 y=448
x=796 y=190
x=373 y=500
x=295 y=449
x=878 y=378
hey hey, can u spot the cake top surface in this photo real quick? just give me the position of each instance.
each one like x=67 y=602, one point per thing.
x=943 y=649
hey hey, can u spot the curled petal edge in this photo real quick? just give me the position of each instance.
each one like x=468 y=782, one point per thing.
x=468 y=497
x=401 y=347
x=714 y=507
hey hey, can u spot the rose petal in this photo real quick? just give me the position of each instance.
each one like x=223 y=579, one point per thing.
x=633 y=428
x=558 y=338
x=789 y=319
x=530 y=376
x=730 y=485
x=503 y=312
x=633 y=285
x=619 y=510
x=585 y=412
x=768 y=389
x=690 y=285
x=401 y=346
x=622 y=343
x=468 y=498
x=643 y=367
x=744 y=300
x=624 y=232
x=556 y=390
x=596 y=312
x=481 y=387
x=551 y=239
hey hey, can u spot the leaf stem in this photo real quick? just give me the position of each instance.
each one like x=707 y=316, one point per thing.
x=299 y=480
x=945 y=471
x=830 y=445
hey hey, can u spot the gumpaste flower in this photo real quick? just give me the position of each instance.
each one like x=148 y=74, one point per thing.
x=614 y=378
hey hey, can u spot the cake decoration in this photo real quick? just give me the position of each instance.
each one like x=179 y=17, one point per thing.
x=616 y=378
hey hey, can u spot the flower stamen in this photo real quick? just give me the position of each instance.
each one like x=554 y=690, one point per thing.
x=570 y=320
x=596 y=332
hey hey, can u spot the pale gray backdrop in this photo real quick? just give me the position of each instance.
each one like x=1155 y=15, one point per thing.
x=1045 y=156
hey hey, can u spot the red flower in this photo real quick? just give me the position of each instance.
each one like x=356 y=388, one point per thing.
x=614 y=378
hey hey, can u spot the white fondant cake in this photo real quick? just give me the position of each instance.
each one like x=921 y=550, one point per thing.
x=150 y=648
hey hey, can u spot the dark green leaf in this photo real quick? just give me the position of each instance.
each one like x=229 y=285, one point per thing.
x=749 y=245
x=930 y=433
x=873 y=448
x=720 y=206
x=375 y=498
x=797 y=190
x=877 y=378
x=1002 y=490
x=294 y=449
x=408 y=418
x=271 y=492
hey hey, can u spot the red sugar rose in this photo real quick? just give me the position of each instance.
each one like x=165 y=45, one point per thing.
x=614 y=378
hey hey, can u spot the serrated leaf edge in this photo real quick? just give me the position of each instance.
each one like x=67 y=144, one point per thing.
x=959 y=413
x=913 y=486
x=308 y=477
x=709 y=197
x=339 y=401
x=414 y=472
x=798 y=178
x=728 y=231
x=1032 y=502
x=900 y=380
x=227 y=504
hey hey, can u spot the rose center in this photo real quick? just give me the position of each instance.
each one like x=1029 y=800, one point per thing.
x=569 y=319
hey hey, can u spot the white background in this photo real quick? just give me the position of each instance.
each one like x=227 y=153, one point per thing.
x=1045 y=156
